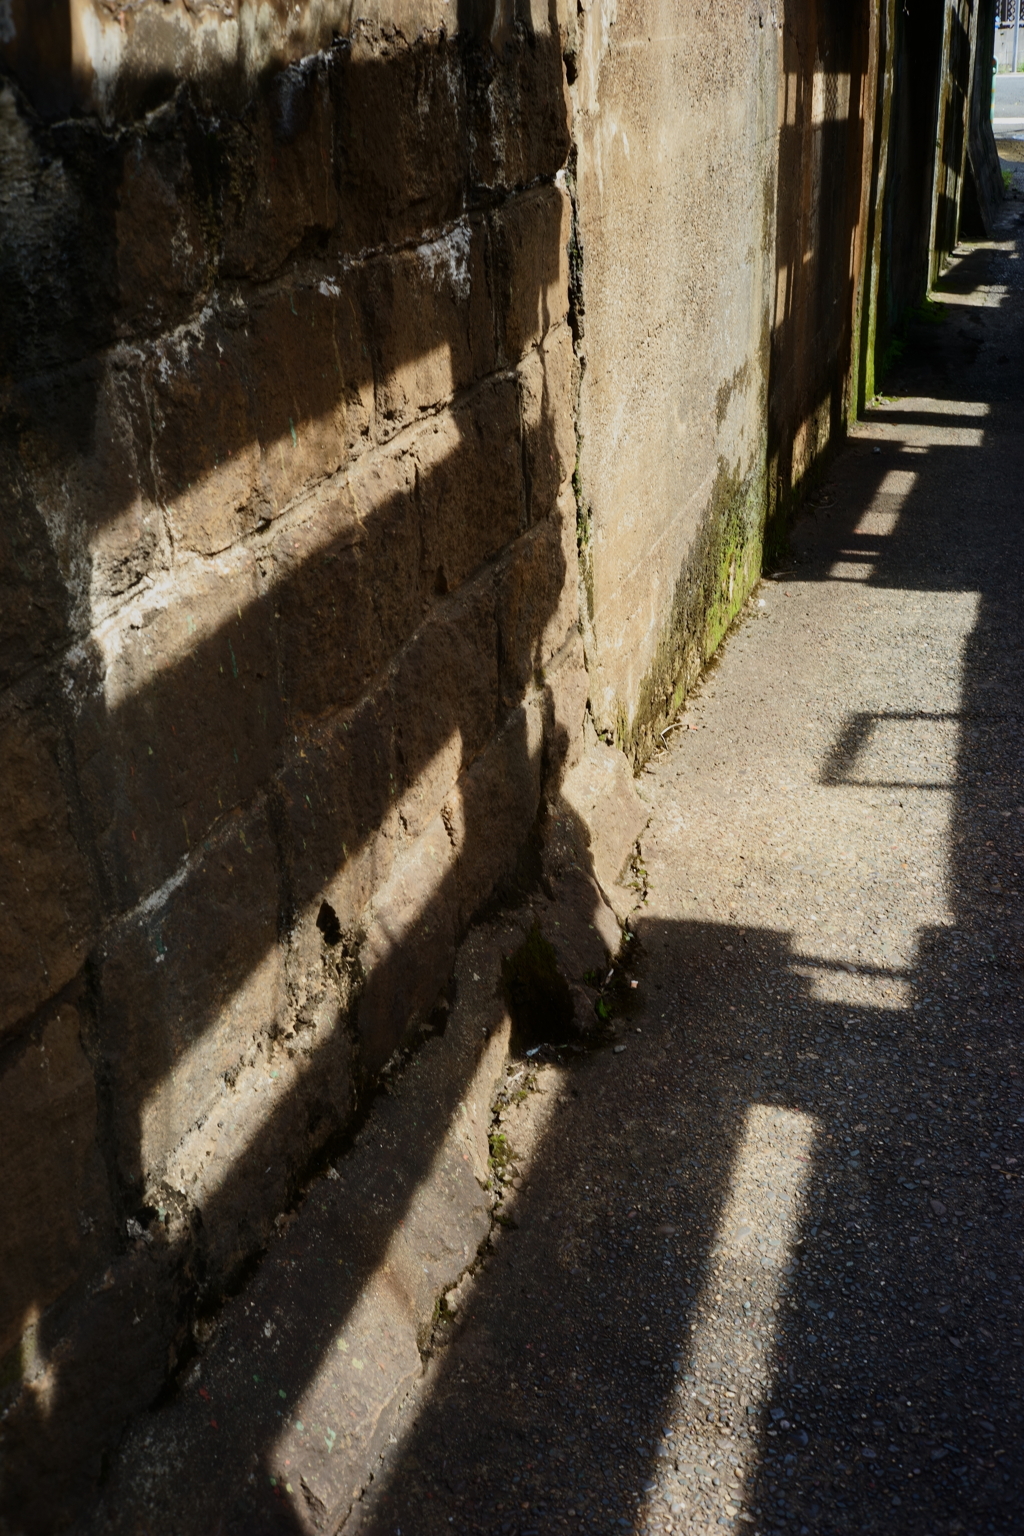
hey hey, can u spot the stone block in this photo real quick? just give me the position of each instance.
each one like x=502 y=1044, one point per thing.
x=433 y=331
x=105 y=497
x=329 y=640
x=384 y=491
x=337 y=1309
x=307 y=364
x=355 y=580
x=192 y=987
x=493 y=808
x=584 y=933
x=538 y=600
x=394 y=180
x=205 y=448
x=520 y=120
x=338 y=613
x=566 y=690
x=444 y=687
x=57 y=1209
x=600 y=794
x=34 y=600
x=282 y=185
x=338 y=791
x=163 y=255
x=107 y=1361
x=180 y=722
x=546 y=383
x=470 y=486
x=48 y=906
x=529 y=240
x=260 y=404
x=82 y=470
x=410 y=945
x=57 y=297
x=237 y=1167
x=242 y=1165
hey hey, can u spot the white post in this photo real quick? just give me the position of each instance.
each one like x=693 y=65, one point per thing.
x=1016 y=30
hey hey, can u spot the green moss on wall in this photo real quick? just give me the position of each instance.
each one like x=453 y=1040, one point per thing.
x=723 y=566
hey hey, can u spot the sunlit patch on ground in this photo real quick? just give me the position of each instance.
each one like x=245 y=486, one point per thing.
x=712 y=1439
x=855 y=986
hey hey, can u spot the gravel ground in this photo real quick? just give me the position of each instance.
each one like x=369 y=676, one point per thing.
x=764 y=1270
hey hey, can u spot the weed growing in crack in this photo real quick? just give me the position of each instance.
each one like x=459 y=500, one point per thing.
x=501 y=1160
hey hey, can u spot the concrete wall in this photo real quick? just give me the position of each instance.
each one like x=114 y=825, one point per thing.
x=675 y=131
x=372 y=394
x=727 y=166
x=983 y=182
x=956 y=78
x=1002 y=49
x=935 y=72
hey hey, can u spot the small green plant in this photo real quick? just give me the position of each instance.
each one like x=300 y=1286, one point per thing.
x=1007 y=180
x=518 y=1083
x=501 y=1152
x=501 y=1162
x=931 y=311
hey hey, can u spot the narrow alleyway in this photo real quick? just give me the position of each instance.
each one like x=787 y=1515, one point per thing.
x=765 y=1272
x=443 y=1087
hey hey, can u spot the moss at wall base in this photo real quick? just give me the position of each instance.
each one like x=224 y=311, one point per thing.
x=723 y=567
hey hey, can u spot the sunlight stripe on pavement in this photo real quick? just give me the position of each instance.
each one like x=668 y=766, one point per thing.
x=708 y=1452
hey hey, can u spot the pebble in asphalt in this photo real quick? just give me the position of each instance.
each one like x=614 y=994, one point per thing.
x=767 y=1273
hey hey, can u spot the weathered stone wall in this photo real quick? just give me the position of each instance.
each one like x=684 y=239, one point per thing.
x=983 y=182
x=937 y=172
x=960 y=35
x=909 y=170
x=289 y=625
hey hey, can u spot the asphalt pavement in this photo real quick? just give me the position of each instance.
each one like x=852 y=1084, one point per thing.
x=1008 y=101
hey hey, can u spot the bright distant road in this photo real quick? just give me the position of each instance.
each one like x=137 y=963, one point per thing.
x=1008 y=106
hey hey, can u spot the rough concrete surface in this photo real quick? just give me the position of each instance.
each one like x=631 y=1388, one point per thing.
x=300 y=1388
x=314 y=1370
x=600 y=793
x=675 y=123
